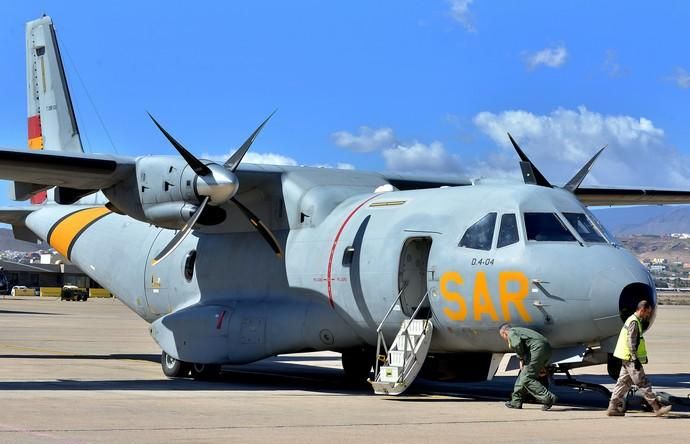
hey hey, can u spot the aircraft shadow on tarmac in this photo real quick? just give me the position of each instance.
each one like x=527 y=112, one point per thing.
x=287 y=373
x=130 y=357
x=19 y=312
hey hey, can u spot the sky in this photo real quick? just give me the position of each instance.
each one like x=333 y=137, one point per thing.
x=427 y=87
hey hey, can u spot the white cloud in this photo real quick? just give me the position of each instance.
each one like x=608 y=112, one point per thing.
x=560 y=142
x=681 y=78
x=338 y=166
x=549 y=57
x=419 y=157
x=269 y=158
x=460 y=11
x=368 y=139
x=275 y=159
x=254 y=157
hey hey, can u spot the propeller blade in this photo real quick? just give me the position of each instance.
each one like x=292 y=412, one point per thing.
x=182 y=234
x=577 y=179
x=529 y=168
x=261 y=227
x=234 y=161
x=198 y=166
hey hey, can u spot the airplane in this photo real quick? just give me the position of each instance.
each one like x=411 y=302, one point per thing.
x=231 y=263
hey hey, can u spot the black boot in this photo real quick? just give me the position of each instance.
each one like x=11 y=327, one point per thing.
x=549 y=402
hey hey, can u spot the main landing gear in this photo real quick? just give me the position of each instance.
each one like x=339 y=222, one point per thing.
x=173 y=368
x=357 y=364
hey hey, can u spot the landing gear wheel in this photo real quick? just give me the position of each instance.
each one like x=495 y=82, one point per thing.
x=172 y=368
x=613 y=367
x=357 y=364
x=205 y=371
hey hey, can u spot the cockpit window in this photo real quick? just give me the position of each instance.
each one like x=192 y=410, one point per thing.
x=508 y=234
x=546 y=227
x=584 y=227
x=602 y=229
x=480 y=235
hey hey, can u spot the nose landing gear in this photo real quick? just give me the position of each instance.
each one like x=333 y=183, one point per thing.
x=581 y=386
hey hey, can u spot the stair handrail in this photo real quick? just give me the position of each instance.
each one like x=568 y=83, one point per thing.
x=421 y=302
x=408 y=341
x=390 y=309
x=380 y=339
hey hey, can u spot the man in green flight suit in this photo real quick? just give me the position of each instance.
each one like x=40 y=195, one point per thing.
x=632 y=350
x=534 y=352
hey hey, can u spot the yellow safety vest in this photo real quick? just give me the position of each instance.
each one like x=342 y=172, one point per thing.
x=622 y=350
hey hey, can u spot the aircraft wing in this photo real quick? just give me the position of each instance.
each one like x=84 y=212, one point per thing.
x=630 y=196
x=80 y=171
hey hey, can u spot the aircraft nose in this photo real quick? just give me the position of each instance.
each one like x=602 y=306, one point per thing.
x=621 y=283
x=631 y=295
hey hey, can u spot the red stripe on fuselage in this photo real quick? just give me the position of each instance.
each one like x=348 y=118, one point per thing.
x=34 y=126
x=335 y=244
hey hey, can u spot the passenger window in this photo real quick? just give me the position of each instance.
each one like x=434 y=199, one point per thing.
x=508 y=234
x=546 y=227
x=584 y=227
x=480 y=236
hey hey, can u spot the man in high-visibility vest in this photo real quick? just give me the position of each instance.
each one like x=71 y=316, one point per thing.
x=632 y=350
x=534 y=352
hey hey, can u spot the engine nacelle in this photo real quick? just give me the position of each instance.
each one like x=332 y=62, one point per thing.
x=169 y=214
x=162 y=193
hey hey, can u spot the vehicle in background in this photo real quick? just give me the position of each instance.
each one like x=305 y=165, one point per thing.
x=73 y=293
x=17 y=289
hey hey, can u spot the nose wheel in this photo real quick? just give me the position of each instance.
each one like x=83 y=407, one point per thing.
x=582 y=386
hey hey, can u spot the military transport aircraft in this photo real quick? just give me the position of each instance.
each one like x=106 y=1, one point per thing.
x=231 y=263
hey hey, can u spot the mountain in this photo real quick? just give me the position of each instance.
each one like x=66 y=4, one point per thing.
x=654 y=220
x=8 y=242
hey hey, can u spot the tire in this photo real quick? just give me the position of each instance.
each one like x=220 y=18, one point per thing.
x=172 y=368
x=613 y=367
x=205 y=372
x=358 y=364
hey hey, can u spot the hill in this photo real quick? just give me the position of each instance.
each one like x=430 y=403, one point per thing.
x=648 y=247
x=655 y=220
x=8 y=242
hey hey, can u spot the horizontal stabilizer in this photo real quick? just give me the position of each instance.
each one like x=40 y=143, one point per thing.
x=17 y=218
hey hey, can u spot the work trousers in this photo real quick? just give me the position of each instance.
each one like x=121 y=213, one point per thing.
x=628 y=376
x=528 y=379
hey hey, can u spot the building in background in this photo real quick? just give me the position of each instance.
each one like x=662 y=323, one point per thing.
x=39 y=275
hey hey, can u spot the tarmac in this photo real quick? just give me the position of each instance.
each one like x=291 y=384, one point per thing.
x=80 y=372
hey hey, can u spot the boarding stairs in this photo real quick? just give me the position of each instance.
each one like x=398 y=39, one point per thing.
x=397 y=366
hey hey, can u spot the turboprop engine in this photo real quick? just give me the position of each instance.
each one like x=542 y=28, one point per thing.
x=176 y=193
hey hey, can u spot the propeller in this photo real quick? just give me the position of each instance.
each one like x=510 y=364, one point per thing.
x=532 y=175
x=574 y=183
x=529 y=171
x=217 y=184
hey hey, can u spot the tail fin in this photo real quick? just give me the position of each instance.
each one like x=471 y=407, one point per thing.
x=52 y=123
